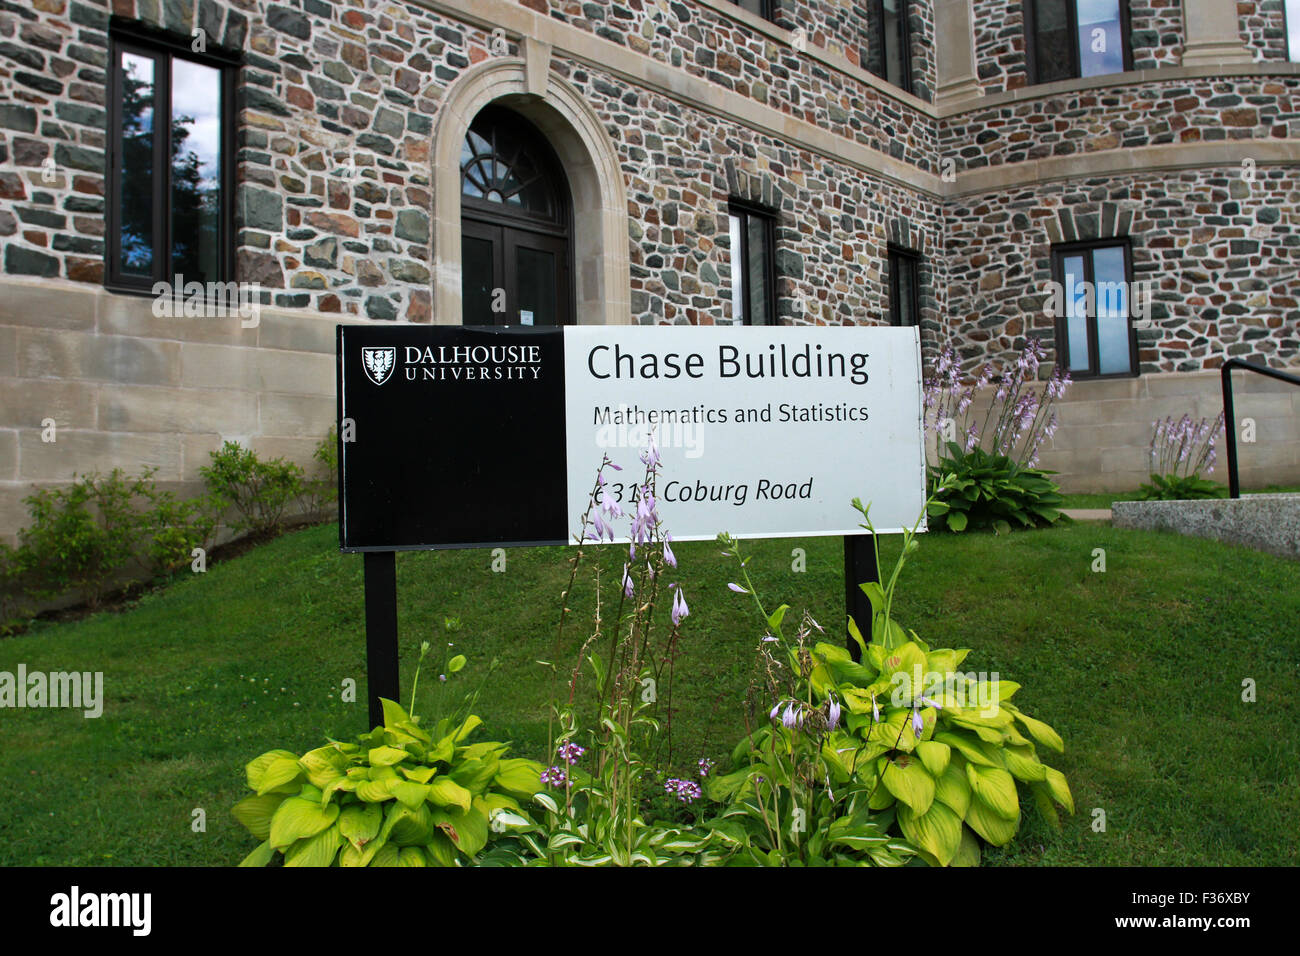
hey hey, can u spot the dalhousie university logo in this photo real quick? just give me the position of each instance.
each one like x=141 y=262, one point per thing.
x=379 y=363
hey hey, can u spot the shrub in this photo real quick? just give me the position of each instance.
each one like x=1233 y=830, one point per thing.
x=1180 y=451
x=258 y=491
x=82 y=535
x=982 y=475
x=402 y=795
x=322 y=491
x=174 y=528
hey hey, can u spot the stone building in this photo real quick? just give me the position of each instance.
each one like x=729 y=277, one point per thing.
x=937 y=162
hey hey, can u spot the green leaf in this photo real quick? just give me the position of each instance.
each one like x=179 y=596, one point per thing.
x=255 y=813
x=968 y=854
x=255 y=770
x=934 y=755
x=953 y=789
x=1060 y=789
x=956 y=521
x=394 y=713
x=456 y=664
x=1023 y=763
x=996 y=788
x=906 y=778
x=318 y=850
x=519 y=777
x=1044 y=734
x=387 y=756
x=260 y=856
x=445 y=792
x=937 y=831
x=360 y=823
x=298 y=818
x=281 y=776
x=981 y=818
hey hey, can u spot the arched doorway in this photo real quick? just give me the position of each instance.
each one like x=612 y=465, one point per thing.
x=516 y=224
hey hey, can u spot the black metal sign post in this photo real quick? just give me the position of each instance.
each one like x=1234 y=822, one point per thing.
x=381 y=631
x=859 y=567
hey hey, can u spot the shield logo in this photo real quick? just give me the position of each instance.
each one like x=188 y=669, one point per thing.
x=379 y=363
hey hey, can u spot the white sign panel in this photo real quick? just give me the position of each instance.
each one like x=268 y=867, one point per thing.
x=763 y=432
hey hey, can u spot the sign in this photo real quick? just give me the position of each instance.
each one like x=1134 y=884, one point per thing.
x=473 y=437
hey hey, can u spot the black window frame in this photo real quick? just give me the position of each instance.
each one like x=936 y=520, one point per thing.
x=1072 y=13
x=876 y=64
x=1059 y=253
x=767 y=216
x=165 y=47
x=901 y=257
x=768 y=9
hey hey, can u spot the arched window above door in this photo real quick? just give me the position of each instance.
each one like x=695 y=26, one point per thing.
x=515 y=225
x=507 y=169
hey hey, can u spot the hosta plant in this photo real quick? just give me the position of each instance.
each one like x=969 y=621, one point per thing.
x=401 y=795
x=1181 y=451
x=946 y=748
x=975 y=489
x=905 y=742
x=983 y=474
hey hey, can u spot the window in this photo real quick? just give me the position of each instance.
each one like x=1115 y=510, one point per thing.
x=515 y=213
x=763 y=8
x=753 y=266
x=1291 y=17
x=1094 y=336
x=1074 y=38
x=889 y=43
x=904 y=287
x=170 y=203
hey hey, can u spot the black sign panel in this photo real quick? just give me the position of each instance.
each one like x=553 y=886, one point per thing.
x=450 y=437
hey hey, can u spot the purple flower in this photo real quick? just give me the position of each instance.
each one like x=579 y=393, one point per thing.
x=768 y=639
x=670 y=559
x=610 y=506
x=793 y=716
x=705 y=765
x=875 y=710
x=627 y=583
x=833 y=715
x=680 y=610
x=918 y=725
x=775 y=710
x=736 y=587
x=569 y=752
x=684 y=790
x=555 y=777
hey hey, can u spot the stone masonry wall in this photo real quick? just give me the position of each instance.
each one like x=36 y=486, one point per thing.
x=1155 y=36
x=323 y=89
x=1223 y=255
x=1200 y=110
x=1263 y=27
x=833 y=222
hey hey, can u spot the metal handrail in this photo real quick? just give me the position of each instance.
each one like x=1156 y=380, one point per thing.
x=1229 y=419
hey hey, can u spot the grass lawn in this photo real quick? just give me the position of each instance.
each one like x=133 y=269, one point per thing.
x=1139 y=668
